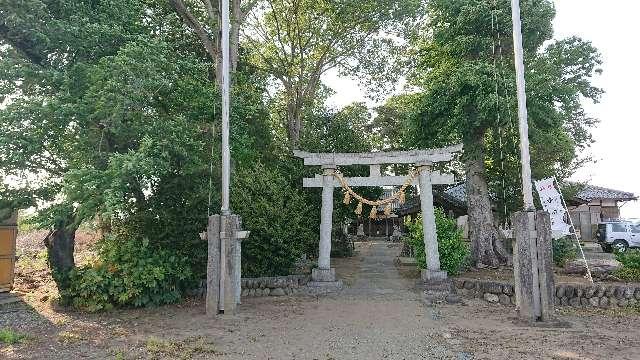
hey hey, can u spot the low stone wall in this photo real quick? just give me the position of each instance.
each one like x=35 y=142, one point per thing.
x=274 y=286
x=597 y=295
x=264 y=286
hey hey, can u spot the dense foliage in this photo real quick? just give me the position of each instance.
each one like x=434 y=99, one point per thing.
x=130 y=272
x=283 y=224
x=564 y=250
x=464 y=73
x=454 y=251
x=630 y=270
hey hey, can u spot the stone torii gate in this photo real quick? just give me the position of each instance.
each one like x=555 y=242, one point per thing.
x=324 y=276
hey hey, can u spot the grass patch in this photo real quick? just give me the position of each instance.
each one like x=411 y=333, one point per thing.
x=10 y=337
x=179 y=349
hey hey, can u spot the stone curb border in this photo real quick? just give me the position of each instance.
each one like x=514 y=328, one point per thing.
x=575 y=295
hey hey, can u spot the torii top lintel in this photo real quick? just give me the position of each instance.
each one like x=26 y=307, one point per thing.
x=374 y=158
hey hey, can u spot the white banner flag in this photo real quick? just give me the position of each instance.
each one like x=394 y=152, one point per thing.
x=552 y=203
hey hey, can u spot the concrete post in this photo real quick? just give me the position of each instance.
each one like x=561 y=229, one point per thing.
x=213 y=266
x=324 y=271
x=532 y=266
x=230 y=224
x=545 y=265
x=223 y=265
x=432 y=272
x=237 y=267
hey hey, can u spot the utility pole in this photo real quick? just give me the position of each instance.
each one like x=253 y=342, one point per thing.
x=527 y=191
x=226 y=152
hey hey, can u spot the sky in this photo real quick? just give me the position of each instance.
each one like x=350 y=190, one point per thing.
x=613 y=28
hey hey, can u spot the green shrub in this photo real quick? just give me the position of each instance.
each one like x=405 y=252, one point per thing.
x=129 y=272
x=629 y=259
x=630 y=270
x=564 y=250
x=454 y=252
x=282 y=222
x=628 y=274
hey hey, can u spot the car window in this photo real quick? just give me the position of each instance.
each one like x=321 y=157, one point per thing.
x=618 y=228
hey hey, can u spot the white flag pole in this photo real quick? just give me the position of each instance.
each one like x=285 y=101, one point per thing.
x=527 y=191
x=226 y=152
x=575 y=233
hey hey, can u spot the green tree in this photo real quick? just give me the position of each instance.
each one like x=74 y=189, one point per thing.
x=297 y=41
x=465 y=71
x=109 y=119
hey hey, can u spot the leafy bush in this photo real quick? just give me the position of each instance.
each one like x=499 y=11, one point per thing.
x=129 y=272
x=282 y=223
x=630 y=270
x=564 y=250
x=629 y=259
x=454 y=252
x=628 y=274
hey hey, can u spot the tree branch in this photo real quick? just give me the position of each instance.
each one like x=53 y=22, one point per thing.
x=195 y=25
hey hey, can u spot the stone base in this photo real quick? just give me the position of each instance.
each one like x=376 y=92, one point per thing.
x=323 y=287
x=323 y=275
x=429 y=276
x=441 y=291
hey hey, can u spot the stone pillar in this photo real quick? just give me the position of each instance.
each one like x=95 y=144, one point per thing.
x=324 y=272
x=237 y=269
x=213 y=265
x=432 y=272
x=532 y=266
x=545 y=265
x=223 y=271
x=229 y=225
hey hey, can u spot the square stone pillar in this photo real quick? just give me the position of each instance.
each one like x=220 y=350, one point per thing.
x=223 y=265
x=532 y=266
x=432 y=273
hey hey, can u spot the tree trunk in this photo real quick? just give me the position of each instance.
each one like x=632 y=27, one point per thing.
x=60 y=245
x=293 y=123
x=487 y=247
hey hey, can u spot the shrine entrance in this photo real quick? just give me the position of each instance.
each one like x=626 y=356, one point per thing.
x=422 y=175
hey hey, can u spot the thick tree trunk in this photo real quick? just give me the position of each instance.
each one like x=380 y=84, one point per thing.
x=487 y=247
x=60 y=245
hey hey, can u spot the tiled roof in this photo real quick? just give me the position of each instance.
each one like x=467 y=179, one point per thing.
x=591 y=192
x=457 y=195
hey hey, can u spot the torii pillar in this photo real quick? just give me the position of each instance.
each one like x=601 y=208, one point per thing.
x=432 y=273
x=324 y=273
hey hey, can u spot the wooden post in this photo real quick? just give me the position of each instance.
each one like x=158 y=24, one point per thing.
x=8 y=233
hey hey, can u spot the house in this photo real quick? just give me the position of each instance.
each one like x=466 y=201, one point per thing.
x=587 y=207
x=593 y=204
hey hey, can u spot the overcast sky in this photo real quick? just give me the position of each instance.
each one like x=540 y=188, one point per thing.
x=613 y=27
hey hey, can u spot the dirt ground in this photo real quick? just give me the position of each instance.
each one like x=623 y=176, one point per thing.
x=379 y=315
